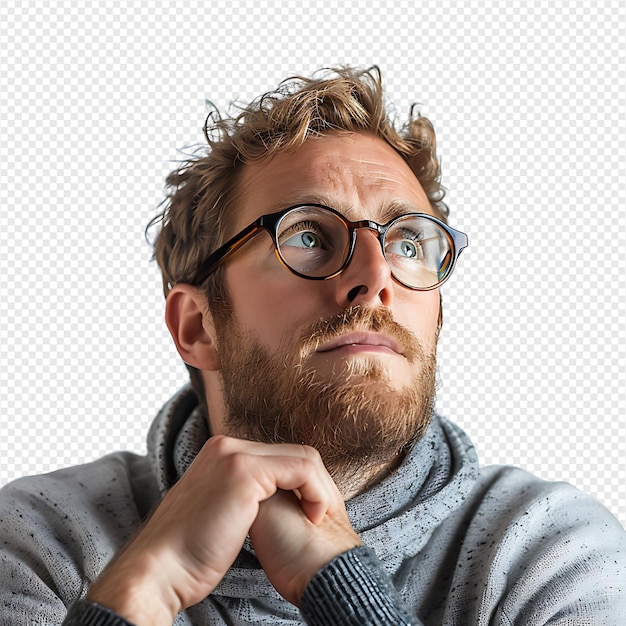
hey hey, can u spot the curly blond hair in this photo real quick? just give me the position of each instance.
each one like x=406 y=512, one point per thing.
x=202 y=194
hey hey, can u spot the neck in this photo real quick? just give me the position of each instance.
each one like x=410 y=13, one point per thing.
x=356 y=480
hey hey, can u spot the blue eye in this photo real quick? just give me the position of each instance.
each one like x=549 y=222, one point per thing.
x=408 y=249
x=305 y=239
x=405 y=248
x=303 y=234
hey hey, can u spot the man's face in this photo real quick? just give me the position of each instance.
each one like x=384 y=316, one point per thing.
x=374 y=341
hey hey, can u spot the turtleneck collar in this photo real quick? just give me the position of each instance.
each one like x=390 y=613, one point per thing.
x=395 y=517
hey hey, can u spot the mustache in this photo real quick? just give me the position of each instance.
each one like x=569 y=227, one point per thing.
x=360 y=318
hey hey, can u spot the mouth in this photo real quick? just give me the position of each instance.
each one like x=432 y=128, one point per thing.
x=355 y=342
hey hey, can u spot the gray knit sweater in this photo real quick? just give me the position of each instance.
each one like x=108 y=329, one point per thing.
x=446 y=542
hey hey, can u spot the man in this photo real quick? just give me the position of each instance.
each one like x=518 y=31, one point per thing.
x=303 y=476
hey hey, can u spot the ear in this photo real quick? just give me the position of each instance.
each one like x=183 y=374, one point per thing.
x=191 y=326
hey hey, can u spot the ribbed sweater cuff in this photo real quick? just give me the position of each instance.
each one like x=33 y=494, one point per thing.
x=353 y=590
x=83 y=613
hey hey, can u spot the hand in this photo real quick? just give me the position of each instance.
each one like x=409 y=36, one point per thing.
x=291 y=548
x=195 y=534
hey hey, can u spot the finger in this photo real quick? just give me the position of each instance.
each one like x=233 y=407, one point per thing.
x=315 y=511
x=226 y=445
x=316 y=494
x=291 y=467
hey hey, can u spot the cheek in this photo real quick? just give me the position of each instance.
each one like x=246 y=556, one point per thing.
x=419 y=312
x=250 y=303
x=271 y=313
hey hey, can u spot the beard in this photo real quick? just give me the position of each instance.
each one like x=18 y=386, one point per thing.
x=357 y=419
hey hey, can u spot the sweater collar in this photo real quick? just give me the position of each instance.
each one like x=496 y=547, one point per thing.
x=396 y=517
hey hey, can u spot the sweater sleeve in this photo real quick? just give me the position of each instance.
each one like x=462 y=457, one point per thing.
x=354 y=590
x=83 y=613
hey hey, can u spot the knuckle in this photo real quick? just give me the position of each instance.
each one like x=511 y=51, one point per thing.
x=312 y=454
x=237 y=464
x=219 y=444
x=228 y=456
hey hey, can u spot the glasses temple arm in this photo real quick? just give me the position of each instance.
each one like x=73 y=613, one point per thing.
x=224 y=251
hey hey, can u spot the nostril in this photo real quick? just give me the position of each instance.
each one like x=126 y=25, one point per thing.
x=354 y=292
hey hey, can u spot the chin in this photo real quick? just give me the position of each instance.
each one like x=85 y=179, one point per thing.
x=366 y=370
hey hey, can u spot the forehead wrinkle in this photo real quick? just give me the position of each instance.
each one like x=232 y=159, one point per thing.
x=356 y=185
x=387 y=210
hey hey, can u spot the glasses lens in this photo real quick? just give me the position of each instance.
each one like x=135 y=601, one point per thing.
x=419 y=251
x=313 y=241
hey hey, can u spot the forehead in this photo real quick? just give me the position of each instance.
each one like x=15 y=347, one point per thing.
x=358 y=174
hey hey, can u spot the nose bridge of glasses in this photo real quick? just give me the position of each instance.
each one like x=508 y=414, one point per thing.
x=370 y=225
x=374 y=227
x=367 y=224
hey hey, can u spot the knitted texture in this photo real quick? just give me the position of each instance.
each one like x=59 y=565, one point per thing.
x=351 y=590
x=447 y=542
x=91 y=614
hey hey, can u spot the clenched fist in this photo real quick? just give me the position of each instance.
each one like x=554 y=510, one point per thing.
x=281 y=494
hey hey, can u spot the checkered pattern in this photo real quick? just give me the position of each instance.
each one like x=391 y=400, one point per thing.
x=529 y=102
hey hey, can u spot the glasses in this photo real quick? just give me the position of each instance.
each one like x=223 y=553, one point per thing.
x=316 y=242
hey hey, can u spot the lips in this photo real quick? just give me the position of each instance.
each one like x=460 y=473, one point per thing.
x=365 y=339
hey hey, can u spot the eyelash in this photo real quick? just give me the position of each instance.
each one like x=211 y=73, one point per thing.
x=300 y=227
x=411 y=235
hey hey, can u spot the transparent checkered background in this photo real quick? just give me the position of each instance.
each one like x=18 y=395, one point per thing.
x=528 y=100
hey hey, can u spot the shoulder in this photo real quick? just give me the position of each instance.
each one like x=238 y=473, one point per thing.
x=515 y=496
x=60 y=529
x=522 y=512
x=120 y=481
x=547 y=541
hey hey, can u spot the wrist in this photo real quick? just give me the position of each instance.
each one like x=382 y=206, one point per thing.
x=136 y=590
x=321 y=560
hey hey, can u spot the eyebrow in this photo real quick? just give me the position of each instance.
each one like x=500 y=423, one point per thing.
x=397 y=208
x=388 y=211
x=310 y=198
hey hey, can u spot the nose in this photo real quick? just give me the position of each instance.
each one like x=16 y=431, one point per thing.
x=367 y=278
